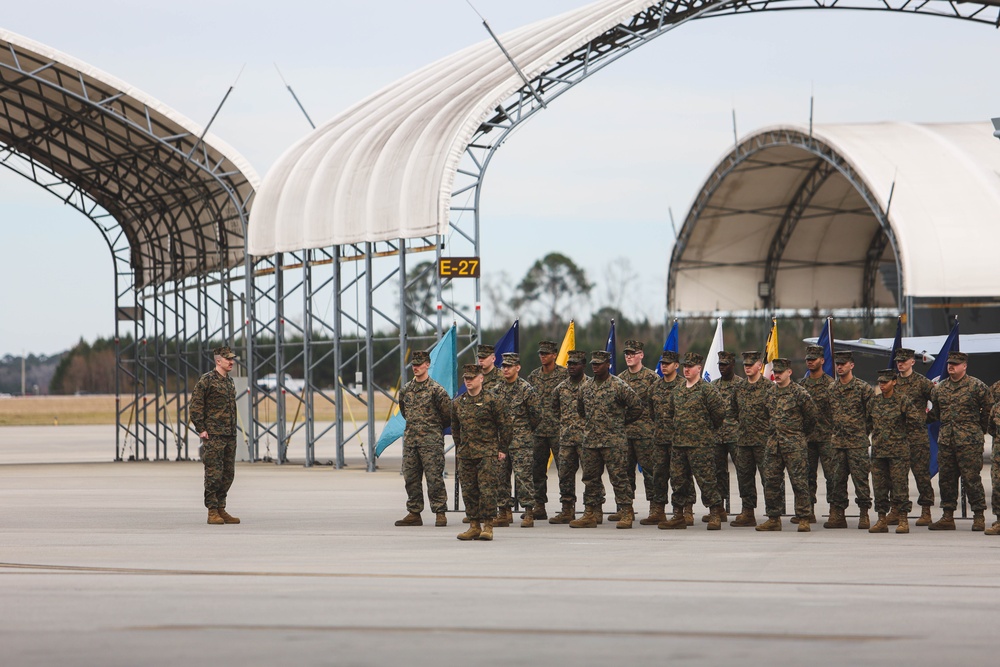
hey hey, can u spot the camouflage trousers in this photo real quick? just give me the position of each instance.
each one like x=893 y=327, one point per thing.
x=995 y=476
x=853 y=463
x=640 y=455
x=777 y=459
x=891 y=483
x=568 y=462
x=818 y=453
x=697 y=462
x=661 y=478
x=750 y=463
x=418 y=463
x=920 y=464
x=545 y=447
x=219 y=457
x=517 y=467
x=652 y=458
x=722 y=453
x=477 y=477
x=961 y=460
x=594 y=460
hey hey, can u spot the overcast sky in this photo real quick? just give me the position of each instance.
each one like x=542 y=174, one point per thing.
x=593 y=176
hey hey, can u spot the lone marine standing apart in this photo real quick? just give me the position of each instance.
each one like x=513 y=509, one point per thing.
x=213 y=413
x=544 y=380
x=426 y=407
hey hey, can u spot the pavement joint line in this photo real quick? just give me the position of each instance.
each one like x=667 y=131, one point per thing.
x=547 y=632
x=33 y=568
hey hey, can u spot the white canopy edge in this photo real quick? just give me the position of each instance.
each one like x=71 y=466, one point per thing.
x=385 y=168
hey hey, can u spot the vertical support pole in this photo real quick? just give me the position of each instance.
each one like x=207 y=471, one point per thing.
x=369 y=356
x=307 y=359
x=279 y=353
x=338 y=354
x=404 y=315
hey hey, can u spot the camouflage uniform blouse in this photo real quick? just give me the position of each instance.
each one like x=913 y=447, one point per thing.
x=917 y=389
x=213 y=405
x=962 y=406
x=426 y=407
x=606 y=407
x=730 y=428
x=642 y=384
x=521 y=412
x=662 y=425
x=696 y=413
x=819 y=390
x=545 y=383
x=476 y=424
x=792 y=415
x=891 y=419
x=748 y=403
x=851 y=405
x=493 y=379
x=563 y=404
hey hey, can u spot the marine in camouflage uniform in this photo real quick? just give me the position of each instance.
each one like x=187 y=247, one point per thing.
x=917 y=389
x=477 y=427
x=851 y=410
x=426 y=407
x=213 y=413
x=962 y=404
x=522 y=411
x=493 y=378
x=544 y=380
x=818 y=384
x=572 y=431
x=607 y=405
x=994 y=431
x=662 y=439
x=791 y=414
x=892 y=416
x=696 y=411
x=640 y=432
x=725 y=444
x=748 y=402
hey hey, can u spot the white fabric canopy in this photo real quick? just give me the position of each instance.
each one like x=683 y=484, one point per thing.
x=384 y=169
x=945 y=215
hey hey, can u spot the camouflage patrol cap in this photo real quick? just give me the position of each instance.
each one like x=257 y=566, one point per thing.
x=420 y=357
x=511 y=359
x=577 y=357
x=750 y=357
x=957 y=358
x=780 y=365
x=726 y=357
x=225 y=352
x=632 y=345
x=548 y=347
x=693 y=359
x=471 y=370
x=814 y=352
x=600 y=357
x=843 y=357
x=484 y=351
x=904 y=354
x=669 y=357
x=886 y=375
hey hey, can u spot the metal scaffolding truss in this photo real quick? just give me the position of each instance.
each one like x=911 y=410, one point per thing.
x=171 y=203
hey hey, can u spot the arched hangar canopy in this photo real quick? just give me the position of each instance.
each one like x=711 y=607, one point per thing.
x=180 y=202
x=384 y=169
x=847 y=216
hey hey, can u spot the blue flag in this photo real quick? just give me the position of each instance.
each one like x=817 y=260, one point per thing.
x=443 y=370
x=671 y=345
x=826 y=342
x=937 y=372
x=897 y=343
x=612 y=347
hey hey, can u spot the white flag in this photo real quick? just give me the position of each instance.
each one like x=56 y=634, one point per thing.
x=712 y=360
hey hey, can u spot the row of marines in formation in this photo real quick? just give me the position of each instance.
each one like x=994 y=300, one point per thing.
x=681 y=430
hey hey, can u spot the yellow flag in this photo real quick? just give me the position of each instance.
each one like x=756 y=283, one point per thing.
x=771 y=349
x=569 y=343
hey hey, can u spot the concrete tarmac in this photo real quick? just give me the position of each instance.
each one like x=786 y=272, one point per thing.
x=113 y=564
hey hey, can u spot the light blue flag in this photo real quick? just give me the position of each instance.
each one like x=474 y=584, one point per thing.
x=671 y=345
x=937 y=372
x=443 y=370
